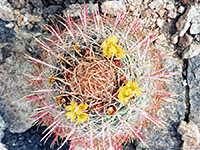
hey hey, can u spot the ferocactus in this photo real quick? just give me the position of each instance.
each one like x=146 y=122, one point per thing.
x=99 y=81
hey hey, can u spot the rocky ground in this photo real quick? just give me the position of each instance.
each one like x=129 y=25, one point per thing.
x=178 y=24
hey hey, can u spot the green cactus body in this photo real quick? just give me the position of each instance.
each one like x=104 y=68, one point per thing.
x=99 y=81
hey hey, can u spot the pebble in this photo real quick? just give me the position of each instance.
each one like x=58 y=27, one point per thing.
x=161 y=12
x=9 y=25
x=113 y=7
x=185 y=41
x=17 y=29
x=181 y=9
x=195 y=29
x=30 y=26
x=174 y=38
x=161 y=39
x=192 y=52
x=160 y=22
x=16 y=12
x=172 y=13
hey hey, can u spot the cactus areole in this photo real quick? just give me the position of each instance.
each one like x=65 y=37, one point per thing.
x=99 y=81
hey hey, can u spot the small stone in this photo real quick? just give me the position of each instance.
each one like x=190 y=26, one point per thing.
x=192 y=52
x=195 y=19
x=172 y=13
x=183 y=23
x=185 y=41
x=174 y=38
x=185 y=83
x=25 y=19
x=16 y=12
x=113 y=7
x=155 y=4
x=181 y=9
x=160 y=22
x=190 y=135
x=170 y=6
x=22 y=2
x=30 y=26
x=19 y=20
x=161 y=38
x=6 y=12
x=17 y=29
x=9 y=25
x=185 y=1
x=161 y=12
x=195 y=29
x=2 y=147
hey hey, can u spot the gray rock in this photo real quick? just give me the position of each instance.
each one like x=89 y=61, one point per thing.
x=156 y=3
x=190 y=135
x=195 y=28
x=6 y=12
x=181 y=9
x=185 y=41
x=113 y=7
x=171 y=113
x=13 y=87
x=184 y=21
x=2 y=127
x=194 y=89
x=2 y=147
x=192 y=52
x=174 y=38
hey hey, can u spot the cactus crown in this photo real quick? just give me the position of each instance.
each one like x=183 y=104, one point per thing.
x=99 y=81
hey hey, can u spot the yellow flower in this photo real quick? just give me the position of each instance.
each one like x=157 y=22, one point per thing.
x=134 y=87
x=127 y=91
x=81 y=108
x=72 y=114
x=77 y=110
x=110 y=47
x=82 y=118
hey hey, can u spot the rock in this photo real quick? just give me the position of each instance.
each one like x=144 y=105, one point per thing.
x=14 y=112
x=17 y=29
x=6 y=12
x=170 y=6
x=16 y=12
x=9 y=25
x=192 y=52
x=174 y=38
x=2 y=128
x=171 y=113
x=181 y=9
x=185 y=41
x=6 y=34
x=190 y=135
x=161 y=38
x=183 y=23
x=53 y=9
x=37 y=3
x=195 y=29
x=30 y=26
x=172 y=13
x=185 y=1
x=2 y=147
x=161 y=12
x=113 y=7
x=194 y=89
x=196 y=19
x=160 y=22
x=156 y=4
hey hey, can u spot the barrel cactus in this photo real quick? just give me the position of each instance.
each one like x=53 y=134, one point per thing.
x=98 y=82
